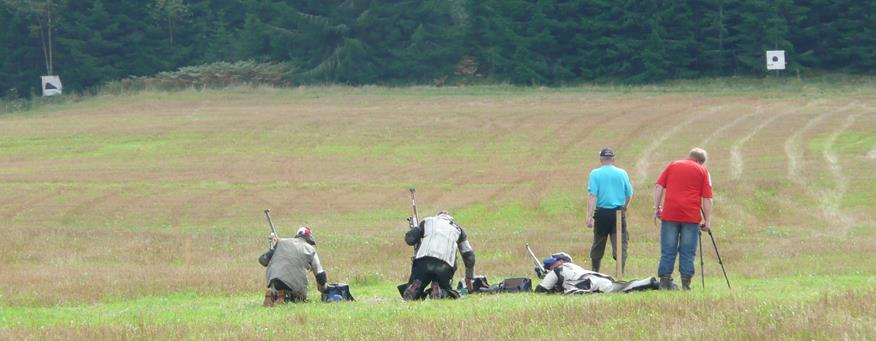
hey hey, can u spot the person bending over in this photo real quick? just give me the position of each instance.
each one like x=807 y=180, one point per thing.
x=287 y=266
x=437 y=239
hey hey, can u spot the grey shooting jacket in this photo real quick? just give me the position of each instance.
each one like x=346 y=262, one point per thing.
x=442 y=239
x=292 y=259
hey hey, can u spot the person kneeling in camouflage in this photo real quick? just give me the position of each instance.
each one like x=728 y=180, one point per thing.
x=439 y=238
x=287 y=266
x=568 y=278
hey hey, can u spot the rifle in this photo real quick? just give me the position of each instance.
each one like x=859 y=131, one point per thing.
x=414 y=220
x=539 y=268
x=273 y=230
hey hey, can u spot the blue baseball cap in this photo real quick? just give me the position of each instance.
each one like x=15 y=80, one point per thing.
x=549 y=261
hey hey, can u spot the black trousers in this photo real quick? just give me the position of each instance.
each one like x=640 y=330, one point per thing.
x=605 y=221
x=428 y=270
x=277 y=284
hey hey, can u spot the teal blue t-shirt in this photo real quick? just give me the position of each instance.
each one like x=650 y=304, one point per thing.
x=610 y=185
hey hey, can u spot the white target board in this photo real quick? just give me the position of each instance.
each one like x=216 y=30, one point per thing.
x=775 y=60
x=51 y=85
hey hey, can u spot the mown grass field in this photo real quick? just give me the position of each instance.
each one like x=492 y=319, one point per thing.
x=140 y=216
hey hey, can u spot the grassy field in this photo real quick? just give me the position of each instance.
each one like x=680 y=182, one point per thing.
x=139 y=216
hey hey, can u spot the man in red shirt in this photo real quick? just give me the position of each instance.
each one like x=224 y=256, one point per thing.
x=688 y=190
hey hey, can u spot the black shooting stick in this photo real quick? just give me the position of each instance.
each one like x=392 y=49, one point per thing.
x=719 y=259
x=716 y=253
x=702 y=269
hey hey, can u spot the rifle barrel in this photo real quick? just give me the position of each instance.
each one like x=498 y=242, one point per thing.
x=414 y=206
x=534 y=258
x=270 y=222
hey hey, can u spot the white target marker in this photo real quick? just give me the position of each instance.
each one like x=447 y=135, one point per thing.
x=51 y=85
x=775 y=60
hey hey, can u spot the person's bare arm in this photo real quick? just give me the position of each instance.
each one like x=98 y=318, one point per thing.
x=591 y=205
x=658 y=199
x=707 y=214
x=627 y=204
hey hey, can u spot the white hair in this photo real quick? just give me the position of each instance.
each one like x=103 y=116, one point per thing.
x=699 y=155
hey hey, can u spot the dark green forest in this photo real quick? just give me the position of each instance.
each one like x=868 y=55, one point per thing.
x=527 y=42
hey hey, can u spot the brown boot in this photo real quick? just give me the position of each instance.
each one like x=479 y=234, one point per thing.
x=281 y=297
x=685 y=283
x=269 y=298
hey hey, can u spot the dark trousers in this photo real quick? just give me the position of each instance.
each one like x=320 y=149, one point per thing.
x=605 y=220
x=277 y=285
x=428 y=270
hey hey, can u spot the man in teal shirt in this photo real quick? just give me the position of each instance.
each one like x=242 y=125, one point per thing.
x=609 y=190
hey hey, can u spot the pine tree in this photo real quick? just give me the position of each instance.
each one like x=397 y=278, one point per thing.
x=762 y=25
x=252 y=42
x=856 y=46
x=679 y=27
x=219 y=42
x=23 y=63
x=713 y=21
x=420 y=39
x=597 y=47
x=86 y=41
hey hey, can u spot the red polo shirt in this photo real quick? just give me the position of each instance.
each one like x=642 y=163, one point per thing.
x=686 y=183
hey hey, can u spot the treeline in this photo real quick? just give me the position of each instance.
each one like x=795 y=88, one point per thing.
x=547 y=42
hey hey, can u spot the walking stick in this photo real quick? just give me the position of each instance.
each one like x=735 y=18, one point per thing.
x=618 y=229
x=702 y=270
x=719 y=259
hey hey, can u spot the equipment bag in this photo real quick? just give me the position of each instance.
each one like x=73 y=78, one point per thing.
x=519 y=284
x=336 y=292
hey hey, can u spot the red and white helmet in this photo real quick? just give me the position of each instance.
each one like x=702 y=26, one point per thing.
x=305 y=233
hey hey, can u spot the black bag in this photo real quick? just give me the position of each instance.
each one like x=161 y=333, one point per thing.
x=336 y=292
x=519 y=284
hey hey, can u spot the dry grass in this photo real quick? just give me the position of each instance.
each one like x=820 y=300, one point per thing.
x=127 y=197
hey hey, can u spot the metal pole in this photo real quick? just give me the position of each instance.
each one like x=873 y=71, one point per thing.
x=719 y=259
x=702 y=269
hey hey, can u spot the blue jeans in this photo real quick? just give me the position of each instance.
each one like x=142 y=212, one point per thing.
x=678 y=238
